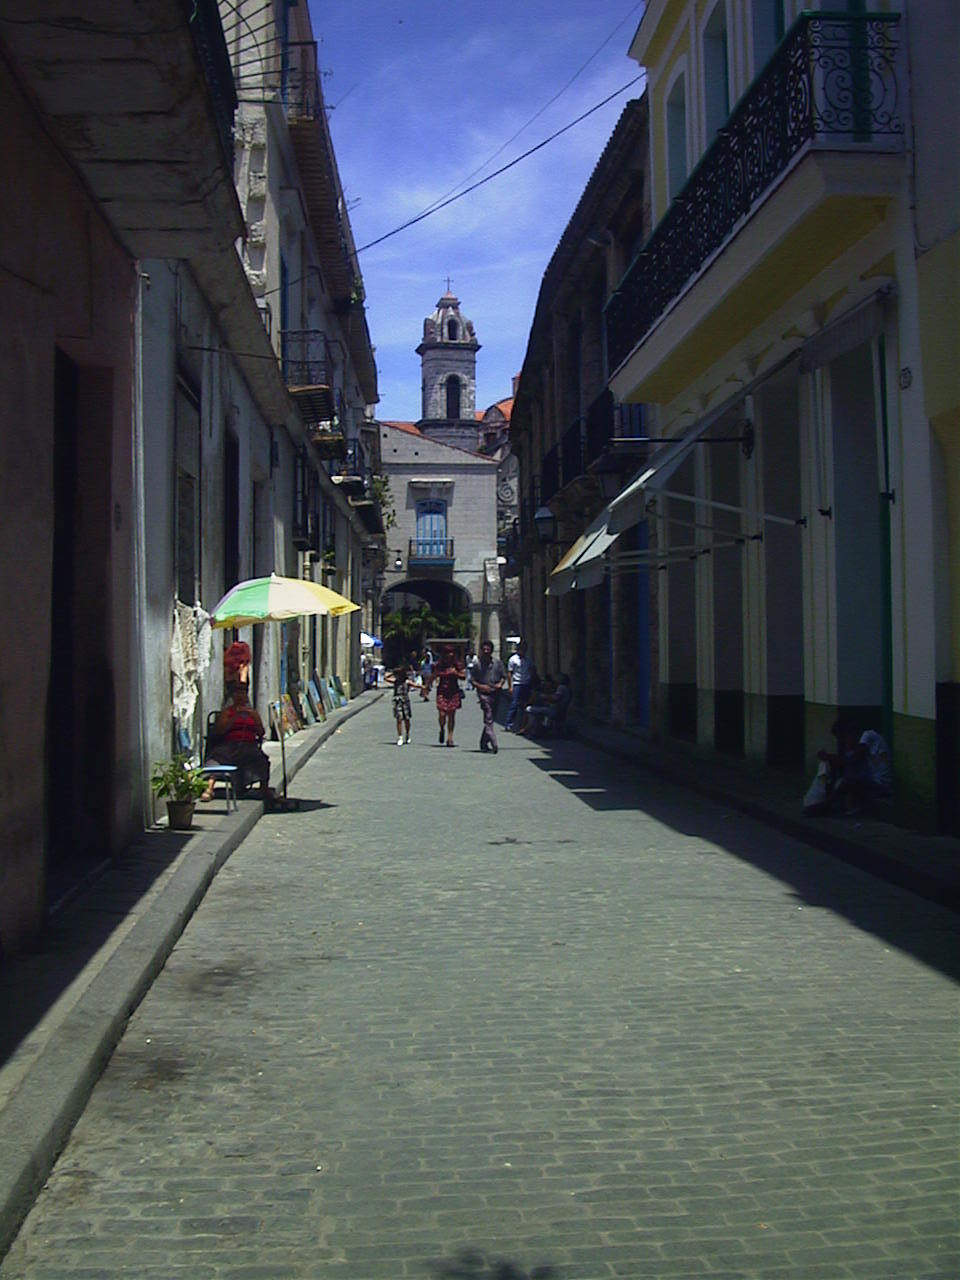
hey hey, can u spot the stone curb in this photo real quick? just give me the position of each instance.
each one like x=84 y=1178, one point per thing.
x=920 y=879
x=37 y=1120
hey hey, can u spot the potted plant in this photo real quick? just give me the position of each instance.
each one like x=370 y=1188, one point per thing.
x=180 y=784
x=329 y=565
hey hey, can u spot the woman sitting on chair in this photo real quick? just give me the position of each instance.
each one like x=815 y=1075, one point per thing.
x=237 y=734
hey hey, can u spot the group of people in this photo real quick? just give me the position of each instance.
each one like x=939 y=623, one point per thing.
x=853 y=775
x=535 y=703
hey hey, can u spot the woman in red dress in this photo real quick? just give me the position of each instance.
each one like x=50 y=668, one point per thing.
x=448 y=673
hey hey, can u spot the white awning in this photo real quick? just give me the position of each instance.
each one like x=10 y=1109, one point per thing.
x=583 y=565
x=629 y=507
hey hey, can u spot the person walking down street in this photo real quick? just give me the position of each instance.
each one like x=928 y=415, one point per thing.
x=399 y=677
x=426 y=675
x=520 y=673
x=488 y=675
x=448 y=673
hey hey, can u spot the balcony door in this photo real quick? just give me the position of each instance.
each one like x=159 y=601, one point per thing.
x=432 y=528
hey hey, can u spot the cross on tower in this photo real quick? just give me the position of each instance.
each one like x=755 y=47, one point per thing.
x=449 y=283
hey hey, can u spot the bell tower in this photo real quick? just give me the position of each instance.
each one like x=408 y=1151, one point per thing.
x=448 y=375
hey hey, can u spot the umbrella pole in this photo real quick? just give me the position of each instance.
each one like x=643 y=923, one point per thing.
x=283 y=753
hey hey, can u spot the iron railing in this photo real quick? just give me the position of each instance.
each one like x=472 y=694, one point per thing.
x=831 y=83
x=430 y=549
x=211 y=46
x=305 y=357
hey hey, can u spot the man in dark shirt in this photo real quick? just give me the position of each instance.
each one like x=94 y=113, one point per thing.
x=488 y=677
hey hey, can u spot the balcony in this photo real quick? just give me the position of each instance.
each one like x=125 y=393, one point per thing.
x=140 y=99
x=830 y=92
x=430 y=551
x=305 y=360
x=302 y=97
x=352 y=474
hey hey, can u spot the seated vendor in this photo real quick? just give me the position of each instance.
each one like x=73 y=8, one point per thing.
x=859 y=771
x=550 y=709
x=236 y=737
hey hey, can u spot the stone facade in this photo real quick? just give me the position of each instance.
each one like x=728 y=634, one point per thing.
x=448 y=383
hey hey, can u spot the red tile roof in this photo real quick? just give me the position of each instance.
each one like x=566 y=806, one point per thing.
x=410 y=428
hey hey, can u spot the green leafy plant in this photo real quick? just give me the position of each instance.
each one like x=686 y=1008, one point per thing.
x=383 y=496
x=177 y=779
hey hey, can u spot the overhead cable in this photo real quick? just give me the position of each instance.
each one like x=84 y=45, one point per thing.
x=497 y=172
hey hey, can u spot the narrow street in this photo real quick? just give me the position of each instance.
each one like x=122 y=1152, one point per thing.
x=532 y=1007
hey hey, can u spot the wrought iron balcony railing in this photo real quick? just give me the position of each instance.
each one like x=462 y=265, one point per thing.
x=430 y=549
x=208 y=39
x=831 y=84
x=305 y=357
x=571 y=453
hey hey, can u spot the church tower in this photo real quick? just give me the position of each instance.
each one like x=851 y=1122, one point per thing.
x=448 y=376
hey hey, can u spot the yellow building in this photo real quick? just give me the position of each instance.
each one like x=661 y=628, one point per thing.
x=796 y=308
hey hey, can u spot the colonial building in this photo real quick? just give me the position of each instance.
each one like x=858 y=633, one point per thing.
x=789 y=327
x=157 y=434
x=564 y=424
x=444 y=490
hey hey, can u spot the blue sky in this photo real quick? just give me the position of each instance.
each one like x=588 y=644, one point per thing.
x=422 y=94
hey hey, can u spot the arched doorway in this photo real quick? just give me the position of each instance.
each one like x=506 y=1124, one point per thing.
x=416 y=609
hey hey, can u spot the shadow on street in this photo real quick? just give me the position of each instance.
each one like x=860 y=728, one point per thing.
x=812 y=878
x=32 y=981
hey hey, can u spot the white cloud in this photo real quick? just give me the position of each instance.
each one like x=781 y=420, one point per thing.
x=441 y=89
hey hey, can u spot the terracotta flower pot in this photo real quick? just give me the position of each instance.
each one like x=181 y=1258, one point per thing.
x=180 y=814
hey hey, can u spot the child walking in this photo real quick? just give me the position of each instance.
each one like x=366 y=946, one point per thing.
x=399 y=677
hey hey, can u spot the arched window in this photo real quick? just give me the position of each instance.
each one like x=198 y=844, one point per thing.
x=716 y=84
x=453 y=397
x=452 y=330
x=677 y=136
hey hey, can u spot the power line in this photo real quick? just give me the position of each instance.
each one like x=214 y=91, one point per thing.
x=538 y=114
x=497 y=172
x=483 y=181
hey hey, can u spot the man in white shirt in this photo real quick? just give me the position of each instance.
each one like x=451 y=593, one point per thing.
x=520 y=673
x=861 y=769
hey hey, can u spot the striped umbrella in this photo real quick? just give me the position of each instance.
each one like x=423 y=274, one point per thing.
x=276 y=599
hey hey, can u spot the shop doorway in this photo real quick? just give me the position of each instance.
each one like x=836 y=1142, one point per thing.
x=80 y=709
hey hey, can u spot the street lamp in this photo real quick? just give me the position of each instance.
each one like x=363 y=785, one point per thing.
x=545 y=523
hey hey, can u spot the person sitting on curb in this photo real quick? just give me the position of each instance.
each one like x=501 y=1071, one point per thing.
x=858 y=772
x=549 y=712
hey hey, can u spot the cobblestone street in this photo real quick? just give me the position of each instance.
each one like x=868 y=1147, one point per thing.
x=535 y=1007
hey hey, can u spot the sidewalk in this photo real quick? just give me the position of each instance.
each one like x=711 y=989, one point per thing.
x=928 y=865
x=64 y=1005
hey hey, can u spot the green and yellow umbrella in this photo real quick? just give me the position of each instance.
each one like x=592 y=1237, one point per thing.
x=277 y=599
